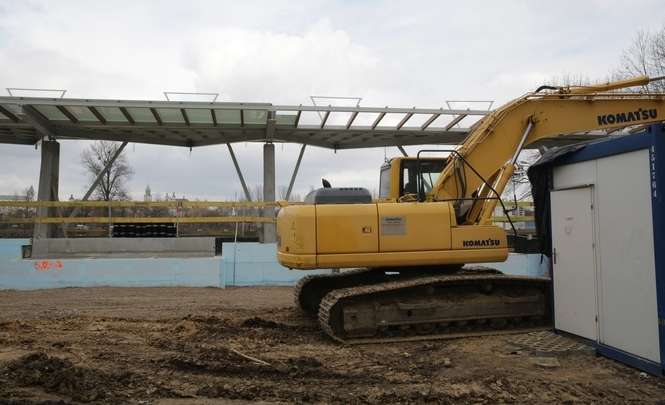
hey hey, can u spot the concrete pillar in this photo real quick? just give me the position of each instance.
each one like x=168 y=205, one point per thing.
x=48 y=187
x=269 y=232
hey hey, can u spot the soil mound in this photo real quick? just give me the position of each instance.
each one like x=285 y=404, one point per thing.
x=62 y=377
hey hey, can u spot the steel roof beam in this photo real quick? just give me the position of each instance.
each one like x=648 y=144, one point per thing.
x=156 y=115
x=43 y=126
x=97 y=114
x=213 y=114
x=297 y=120
x=147 y=125
x=324 y=119
x=378 y=120
x=93 y=130
x=351 y=119
x=68 y=114
x=444 y=139
x=237 y=166
x=8 y=114
x=127 y=115
x=429 y=121
x=404 y=120
x=295 y=172
x=357 y=137
x=455 y=121
x=184 y=116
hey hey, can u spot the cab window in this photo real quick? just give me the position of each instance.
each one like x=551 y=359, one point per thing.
x=408 y=184
x=430 y=170
x=384 y=182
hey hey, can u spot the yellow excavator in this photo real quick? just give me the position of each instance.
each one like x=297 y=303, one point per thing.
x=433 y=216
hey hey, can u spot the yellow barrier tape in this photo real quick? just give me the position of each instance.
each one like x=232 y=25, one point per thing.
x=509 y=203
x=143 y=220
x=138 y=204
x=513 y=218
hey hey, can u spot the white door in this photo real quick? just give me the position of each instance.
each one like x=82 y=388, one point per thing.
x=627 y=298
x=574 y=273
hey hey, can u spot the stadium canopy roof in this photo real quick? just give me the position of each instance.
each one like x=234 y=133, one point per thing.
x=26 y=120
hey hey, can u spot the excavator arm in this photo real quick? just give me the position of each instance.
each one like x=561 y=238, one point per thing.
x=495 y=142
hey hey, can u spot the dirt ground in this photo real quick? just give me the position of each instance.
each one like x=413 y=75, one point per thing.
x=181 y=346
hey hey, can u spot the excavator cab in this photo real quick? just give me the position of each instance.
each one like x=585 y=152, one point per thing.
x=399 y=177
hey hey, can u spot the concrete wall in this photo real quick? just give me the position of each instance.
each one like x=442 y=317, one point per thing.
x=61 y=248
x=255 y=264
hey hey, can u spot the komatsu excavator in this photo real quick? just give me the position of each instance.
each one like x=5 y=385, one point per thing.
x=432 y=217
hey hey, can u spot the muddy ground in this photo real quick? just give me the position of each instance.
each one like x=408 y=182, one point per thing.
x=213 y=346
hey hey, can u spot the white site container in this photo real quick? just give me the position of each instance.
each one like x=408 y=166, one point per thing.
x=608 y=247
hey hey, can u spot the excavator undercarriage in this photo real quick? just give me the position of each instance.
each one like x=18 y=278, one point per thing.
x=379 y=305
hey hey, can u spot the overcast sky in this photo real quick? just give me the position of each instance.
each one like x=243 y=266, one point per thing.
x=401 y=54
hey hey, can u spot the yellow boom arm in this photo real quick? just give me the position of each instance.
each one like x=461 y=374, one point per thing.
x=494 y=143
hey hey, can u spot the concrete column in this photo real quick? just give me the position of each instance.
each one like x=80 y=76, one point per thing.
x=48 y=187
x=269 y=232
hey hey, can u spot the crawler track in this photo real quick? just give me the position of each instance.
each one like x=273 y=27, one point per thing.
x=310 y=290
x=387 y=308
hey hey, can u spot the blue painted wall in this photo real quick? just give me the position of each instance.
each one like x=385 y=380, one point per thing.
x=524 y=265
x=17 y=273
x=255 y=264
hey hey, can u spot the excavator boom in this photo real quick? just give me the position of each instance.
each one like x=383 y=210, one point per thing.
x=494 y=144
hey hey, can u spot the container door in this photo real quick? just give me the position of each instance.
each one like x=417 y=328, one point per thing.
x=574 y=274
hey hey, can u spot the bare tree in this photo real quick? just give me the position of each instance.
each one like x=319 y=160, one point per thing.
x=113 y=183
x=256 y=192
x=281 y=192
x=569 y=79
x=645 y=56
